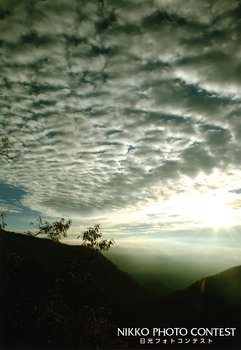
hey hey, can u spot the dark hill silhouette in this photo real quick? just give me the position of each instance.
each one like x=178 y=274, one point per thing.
x=61 y=296
x=213 y=301
x=56 y=295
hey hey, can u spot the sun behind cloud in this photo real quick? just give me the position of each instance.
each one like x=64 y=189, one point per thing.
x=209 y=210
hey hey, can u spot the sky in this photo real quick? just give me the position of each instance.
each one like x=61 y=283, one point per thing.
x=126 y=114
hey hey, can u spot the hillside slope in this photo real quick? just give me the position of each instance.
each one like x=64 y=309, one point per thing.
x=56 y=295
x=213 y=301
x=59 y=296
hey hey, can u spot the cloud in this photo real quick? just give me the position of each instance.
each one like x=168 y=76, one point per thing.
x=112 y=106
x=237 y=191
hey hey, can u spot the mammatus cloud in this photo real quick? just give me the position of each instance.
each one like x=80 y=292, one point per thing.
x=113 y=107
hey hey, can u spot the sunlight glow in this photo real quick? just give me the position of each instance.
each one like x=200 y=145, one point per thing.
x=214 y=210
x=208 y=210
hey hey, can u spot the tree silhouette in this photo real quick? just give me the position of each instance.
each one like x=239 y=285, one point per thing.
x=54 y=231
x=2 y=220
x=91 y=238
x=4 y=148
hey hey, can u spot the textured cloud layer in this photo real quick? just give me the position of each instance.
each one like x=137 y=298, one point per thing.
x=113 y=106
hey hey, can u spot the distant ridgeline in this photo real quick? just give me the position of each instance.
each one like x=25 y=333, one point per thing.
x=59 y=296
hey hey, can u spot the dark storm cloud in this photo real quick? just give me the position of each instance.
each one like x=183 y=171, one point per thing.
x=106 y=102
x=237 y=191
